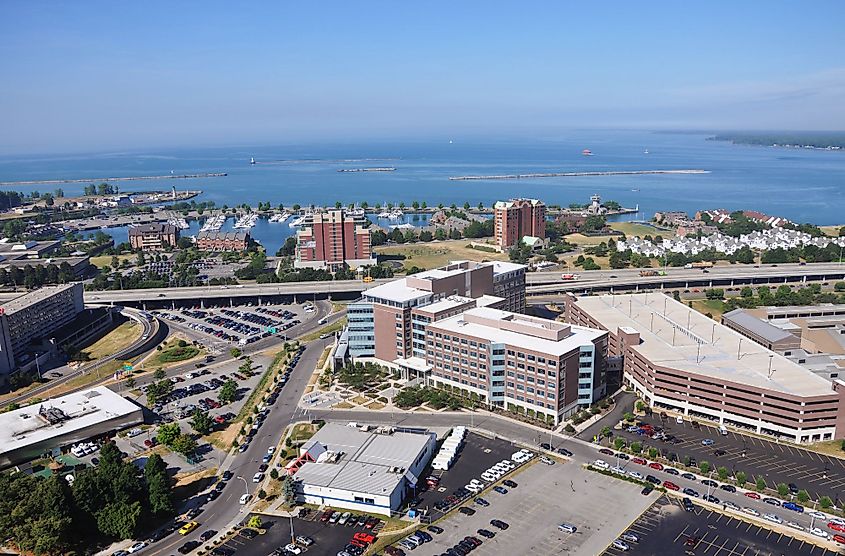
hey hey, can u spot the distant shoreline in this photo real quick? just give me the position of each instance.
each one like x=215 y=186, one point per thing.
x=106 y=180
x=576 y=174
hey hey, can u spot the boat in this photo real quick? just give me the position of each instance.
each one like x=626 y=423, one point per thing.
x=587 y=152
x=246 y=221
x=645 y=151
x=179 y=223
x=395 y=214
x=252 y=160
x=280 y=217
x=298 y=221
x=635 y=190
x=358 y=211
x=214 y=223
x=384 y=214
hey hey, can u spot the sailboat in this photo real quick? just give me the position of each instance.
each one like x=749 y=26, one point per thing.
x=252 y=160
x=645 y=151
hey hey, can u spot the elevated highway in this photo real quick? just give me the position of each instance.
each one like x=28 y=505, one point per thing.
x=537 y=284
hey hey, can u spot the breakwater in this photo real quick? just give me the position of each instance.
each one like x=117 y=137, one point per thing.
x=575 y=174
x=125 y=178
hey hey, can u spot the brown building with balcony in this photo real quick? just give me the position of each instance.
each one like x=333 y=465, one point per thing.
x=153 y=237
x=679 y=360
x=518 y=218
x=333 y=240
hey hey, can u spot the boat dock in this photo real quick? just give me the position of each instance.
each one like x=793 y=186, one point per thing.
x=576 y=174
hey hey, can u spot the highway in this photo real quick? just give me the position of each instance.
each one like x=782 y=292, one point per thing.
x=148 y=340
x=537 y=284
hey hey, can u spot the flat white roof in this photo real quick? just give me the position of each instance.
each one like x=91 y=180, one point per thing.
x=397 y=291
x=370 y=463
x=80 y=410
x=579 y=336
x=447 y=303
x=676 y=336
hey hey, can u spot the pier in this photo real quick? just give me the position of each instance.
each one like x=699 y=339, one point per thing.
x=126 y=178
x=386 y=169
x=576 y=174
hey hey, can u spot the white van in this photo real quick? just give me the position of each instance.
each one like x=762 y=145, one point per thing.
x=244 y=499
x=723 y=430
x=679 y=420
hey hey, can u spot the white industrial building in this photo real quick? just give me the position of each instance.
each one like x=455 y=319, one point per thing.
x=367 y=471
x=30 y=432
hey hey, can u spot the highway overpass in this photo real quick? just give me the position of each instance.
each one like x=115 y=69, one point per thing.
x=538 y=284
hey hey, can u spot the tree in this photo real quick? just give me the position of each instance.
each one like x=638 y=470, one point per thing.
x=803 y=496
x=158 y=485
x=653 y=452
x=184 y=445
x=636 y=447
x=606 y=432
x=704 y=466
x=254 y=522
x=741 y=478
x=628 y=416
x=746 y=292
x=825 y=502
x=760 y=483
x=201 y=422
x=119 y=519
x=235 y=352
x=274 y=474
x=783 y=490
x=569 y=428
x=228 y=392
x=723 y=473
x=130 y=382
x=141 y=260
x=159 y=374
x=289 y=489
x=618 y=443
x=168 y=433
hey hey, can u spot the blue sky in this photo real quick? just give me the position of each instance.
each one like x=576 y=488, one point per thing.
x=103 y=75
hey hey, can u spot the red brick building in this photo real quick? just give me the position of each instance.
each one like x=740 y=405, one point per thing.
x=331 y=240
x=223 y=241
x=518 y=218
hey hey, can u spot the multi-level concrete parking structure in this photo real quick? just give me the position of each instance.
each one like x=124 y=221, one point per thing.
x=675 y=358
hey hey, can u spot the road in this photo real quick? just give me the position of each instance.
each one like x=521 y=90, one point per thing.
x=537 y=283
x=219 y=513
x=146 y=341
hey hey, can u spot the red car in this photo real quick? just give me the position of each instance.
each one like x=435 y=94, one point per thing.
x=606 y=452
x=364 y=537
x=839 y=538
x=671 y=486
x=639 y=461
x=219 y=419
x=326 y=515
x=655 y=465
x=836 y=526
x=753 y=495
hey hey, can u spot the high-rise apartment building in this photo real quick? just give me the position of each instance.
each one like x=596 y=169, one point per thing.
x=518 y=218
x=331 y=240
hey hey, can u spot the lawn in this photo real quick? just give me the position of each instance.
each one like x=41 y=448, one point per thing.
x=105 y=260
x=333 y=327
x=115 y=340
x=635 y=229
x=831 y=230
x=438 y=253
x=713 y=306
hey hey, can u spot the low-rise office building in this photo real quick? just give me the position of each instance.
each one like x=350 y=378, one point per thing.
x=677 y=359
x=157 y=236
x=46 y=427
x=380 y=323
x=541 y=367
x=365 y=471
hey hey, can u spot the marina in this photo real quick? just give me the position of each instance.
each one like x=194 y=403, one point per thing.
x=214 y=223
x=246 y=221
x=576 y=174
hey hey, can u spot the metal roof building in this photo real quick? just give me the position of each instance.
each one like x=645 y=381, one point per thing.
x=347 y=467
x=29 y=432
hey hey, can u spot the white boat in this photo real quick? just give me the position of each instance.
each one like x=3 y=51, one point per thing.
x=356 y=212
x=298 y=221
x=179 y=223
x=214 y=223
x=395 y=214
x=246 y=221
x=280 y=217
x=252 y=160
x=645 y=151
x=384 y=214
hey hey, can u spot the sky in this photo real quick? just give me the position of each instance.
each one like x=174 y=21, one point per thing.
x=84 y=76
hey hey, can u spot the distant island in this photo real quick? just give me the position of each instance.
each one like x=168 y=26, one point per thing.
x=820 y=141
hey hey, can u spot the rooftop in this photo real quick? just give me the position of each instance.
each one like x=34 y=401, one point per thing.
x=369 y=463
x=28 y=299
x=673 y=335
x=238 y=235
x=761 y=328
x=154 y=228
x=61 y=416
x=532 y=333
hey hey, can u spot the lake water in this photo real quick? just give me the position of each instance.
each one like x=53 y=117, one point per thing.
x=803 y=185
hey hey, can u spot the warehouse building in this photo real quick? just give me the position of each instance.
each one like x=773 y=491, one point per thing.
x=677 y=359
x=355 y=469
x=33 y=431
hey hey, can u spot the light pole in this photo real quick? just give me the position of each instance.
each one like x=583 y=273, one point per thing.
x=709 y=483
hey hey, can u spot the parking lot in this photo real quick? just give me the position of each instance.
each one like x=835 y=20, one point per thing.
x=477 y=455
x=777 y=462
x=238 y=325
x=328 y=539
x=547 y=495
x=667 y=529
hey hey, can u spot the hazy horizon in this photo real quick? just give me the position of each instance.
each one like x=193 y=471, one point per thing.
x=100 y=77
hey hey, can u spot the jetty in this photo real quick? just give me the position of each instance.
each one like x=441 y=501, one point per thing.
x=576 y=174
x=125 y=178
x=385 y=169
